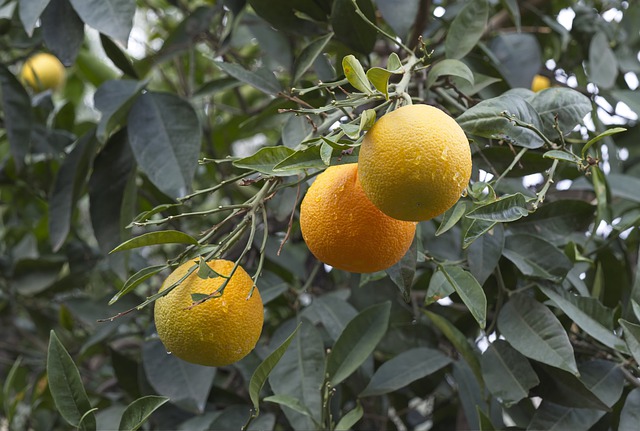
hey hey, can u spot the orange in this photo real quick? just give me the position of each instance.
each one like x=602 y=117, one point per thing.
x=539 y=83
x=342 y=228
x=414 y=163
x=43 y=71
x=217 y=332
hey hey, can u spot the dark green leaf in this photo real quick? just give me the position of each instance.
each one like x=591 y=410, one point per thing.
x=16 y=108
x=469 y=290
x=67 y=188
x=111 y=17
x=566 y=389
x=568 y=105
x=403 y=272
x=466 y=29
x=66 y=385
x=459 y=341
x=557 y=220
x=299 y=375
x=629 y=97
x=308 y=56
x=484 y=421
x=350 y=419
x=561 y=155
x=533 y=330
x=265 y=159
x=470 y=393
x=265 y=82
x=604 y=379
x=187 y=385
x=332 y=312
x=354 y=73
x=30 y=11
x=507 y=373
x=608 y=132
x=486 y=119
x=165 y=134
x=358 y=340
x=118 y=57
x=64 y=44
x=630 y=414
x=514 y=11
x=399 y=15
x=632 y=337
x=290 y=402
x=536 y=257
x=552 y=417
x=475 y=229
x=350 y=28
x=449 y=67
x=407 y=367
x=589 y=314
x=114 y=100
x=154 y=238
x=439 y=287
x=484 y=253
x=518 y=57
x=261 y=373
x=451 y=217
x=139 y=411
x=506 y=209
x=602 y=65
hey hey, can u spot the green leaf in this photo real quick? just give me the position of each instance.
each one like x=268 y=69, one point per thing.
x=484 y=421
x=139 y=411
x=64 y=44
x=308 y=56
x=136 y=279
x=469 y=290
x=354 y=73
x=439 y=287
x=114 y=99
x=535 y=257
x=290 y=402
x=187 y=385
x=629 y=97
x=533 y=330
x=332 y=312
x=17 y=113
x=556 y=221
x=604 y=379
x=589 y=314
x=567 y=105
x=466 y=29
x=67 y=188
x=347 y=421
x=632 y=337
x=66 y=385
x=486 y=119
x=350 y=28
x=265 y=82
x=451 y=217
x=469 y=392
x=484 y=253
x=264 y=159
x=630 y=414
x=608 y=132
x=506 y=209
x=475 y=229
x=29 y=12
x=562 y=155
x=111 y=17
x=566 y=389
x=299 y=374
x=459 y=341
x=507 y=373
x=154 y=238
x=165 y=134
x=403 y=272
x=407 y=367
x=119 y=58
x=602 y=66
x=449 y=67
x=261 y=373
x=367 y=120
x=552 y=417
x=358 y=340
x=514 y=11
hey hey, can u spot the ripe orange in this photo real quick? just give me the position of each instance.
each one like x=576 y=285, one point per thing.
x=43 y=71
x=539 y=83
x=342 y=228
x=414 y=163
x=217 y=332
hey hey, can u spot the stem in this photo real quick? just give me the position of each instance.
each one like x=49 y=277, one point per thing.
x=547 y=184
x=531 y=127
x=442 y=93
x=379 y=30
x=216 y=187
x=192 y=214
x=516 y=159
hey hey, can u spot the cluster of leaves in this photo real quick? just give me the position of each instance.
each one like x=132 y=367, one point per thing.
x=202 y=144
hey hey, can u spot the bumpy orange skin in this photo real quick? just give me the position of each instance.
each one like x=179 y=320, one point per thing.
x=43 y=71
x=219 y=331
x=342 y=228
x=414 y=163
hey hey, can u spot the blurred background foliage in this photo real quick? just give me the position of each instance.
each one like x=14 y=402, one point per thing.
x=155 y=86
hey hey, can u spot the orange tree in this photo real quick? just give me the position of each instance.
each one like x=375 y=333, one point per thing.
x=191 y=130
